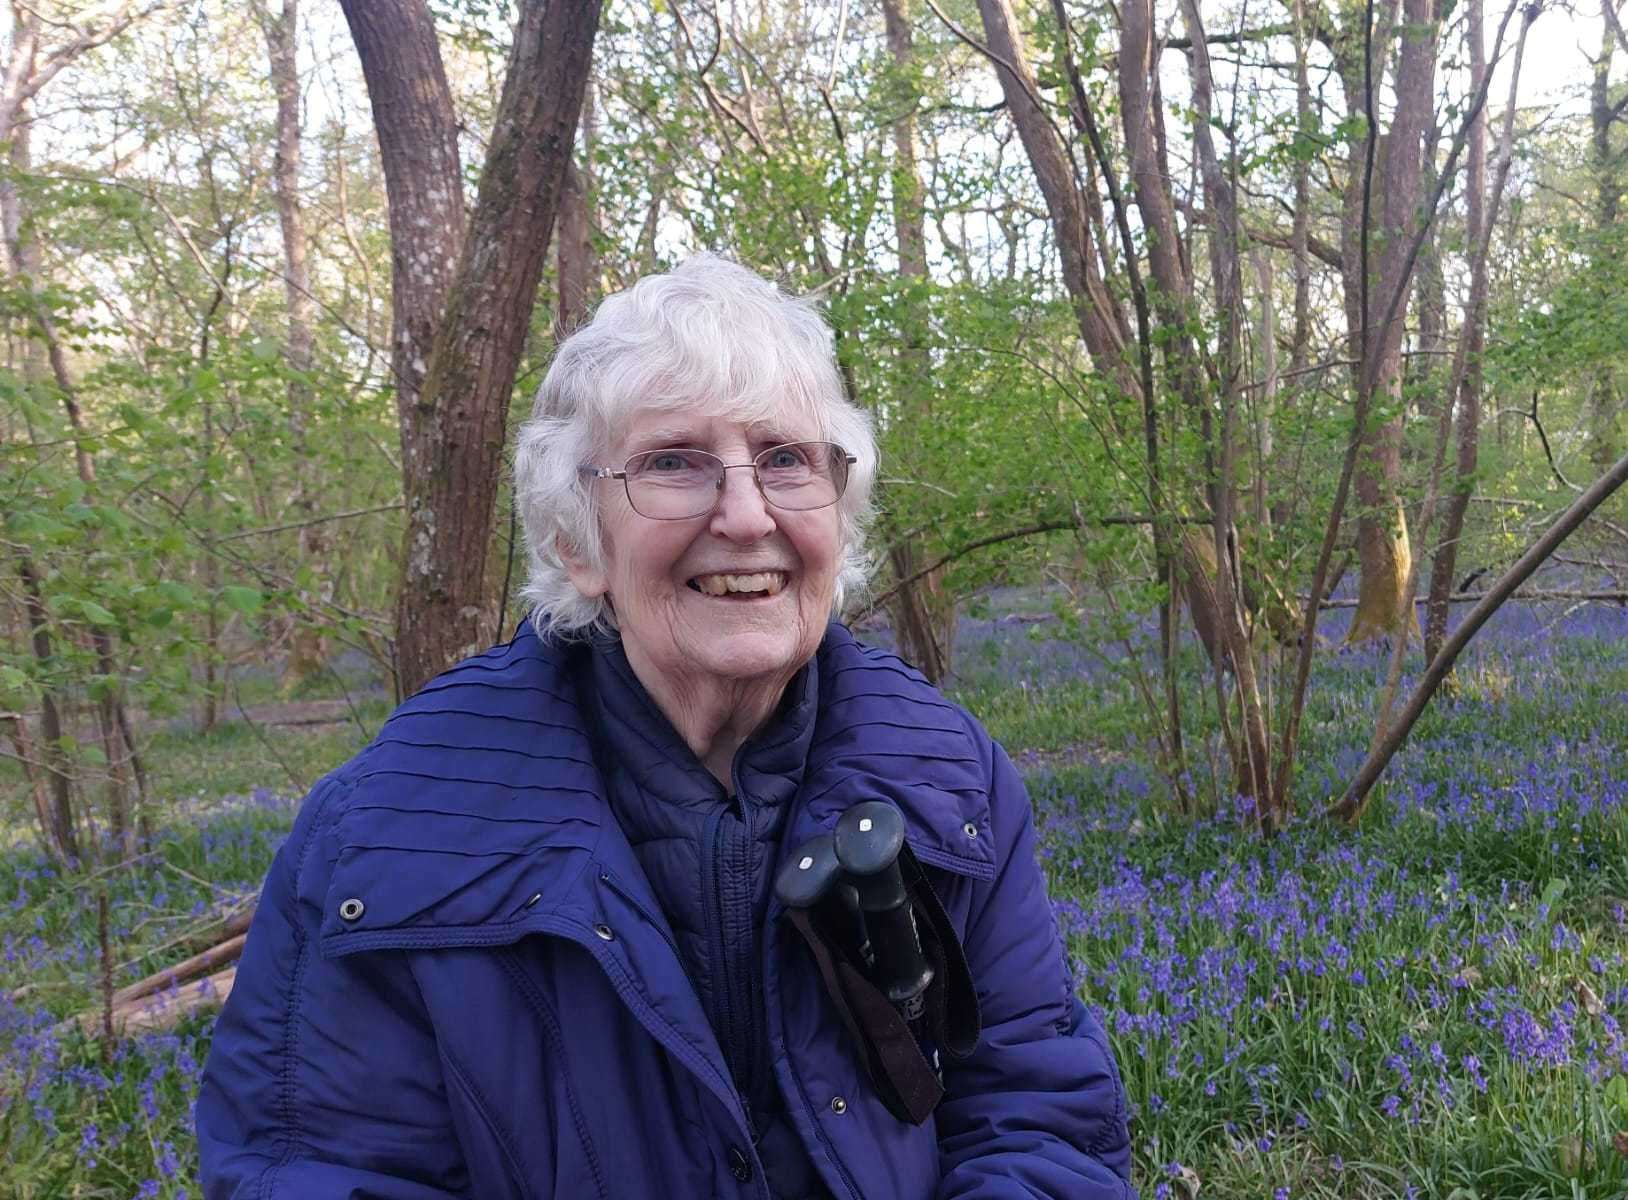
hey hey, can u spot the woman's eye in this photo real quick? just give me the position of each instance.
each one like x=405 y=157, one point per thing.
x=667 y=460
x=784 y=458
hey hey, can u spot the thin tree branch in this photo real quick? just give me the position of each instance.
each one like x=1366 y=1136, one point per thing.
x=1350 y=805
x=339 y=516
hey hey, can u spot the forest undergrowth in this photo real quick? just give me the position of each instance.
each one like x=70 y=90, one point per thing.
x=1430 y=1005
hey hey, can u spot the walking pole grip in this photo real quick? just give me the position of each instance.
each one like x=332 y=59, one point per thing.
x=867 y=842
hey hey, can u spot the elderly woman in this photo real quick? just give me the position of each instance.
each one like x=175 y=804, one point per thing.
x=527 y=943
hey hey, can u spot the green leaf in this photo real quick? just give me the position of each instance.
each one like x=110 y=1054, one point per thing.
x=246 y=600
x=1552 y=892
x=16 y=681
x=1615 y=1094
x=96 y=614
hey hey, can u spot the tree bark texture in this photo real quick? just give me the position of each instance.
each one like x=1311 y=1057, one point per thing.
x=1300 y=241
x=1383 y=549
x=1164 y=543
x=463 y=300
x=1465 y=380
x=573 y=253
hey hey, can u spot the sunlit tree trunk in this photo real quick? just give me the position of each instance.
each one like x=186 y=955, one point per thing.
x=574 y=252
x=1383 y=550
x=576 y=262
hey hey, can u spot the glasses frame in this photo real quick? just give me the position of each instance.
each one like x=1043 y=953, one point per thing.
x=592 y=472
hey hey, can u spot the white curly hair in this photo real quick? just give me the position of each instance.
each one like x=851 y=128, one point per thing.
x=709 y=336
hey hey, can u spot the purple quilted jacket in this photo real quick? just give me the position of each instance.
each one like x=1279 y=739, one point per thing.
x=459 y=982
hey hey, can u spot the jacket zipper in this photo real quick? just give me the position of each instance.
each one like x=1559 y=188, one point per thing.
x=717 y=901
x=745 y=980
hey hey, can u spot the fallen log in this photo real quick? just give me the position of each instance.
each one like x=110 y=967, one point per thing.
x=202 y=941
x=209 y=960
x=164 y=1010
x=156 y=1010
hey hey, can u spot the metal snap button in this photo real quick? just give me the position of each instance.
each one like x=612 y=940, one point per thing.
x=970 y=829
x=604 y=931
x=533 y=901
x=838 y=1105
x=351 y=910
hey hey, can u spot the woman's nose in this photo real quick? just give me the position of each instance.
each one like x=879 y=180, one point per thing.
x=742 y=515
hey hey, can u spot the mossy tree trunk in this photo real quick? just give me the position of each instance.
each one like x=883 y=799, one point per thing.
x=463 y=290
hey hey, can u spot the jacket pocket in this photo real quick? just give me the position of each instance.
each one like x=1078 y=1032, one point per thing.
x=574 y=1160
x=488 y=1150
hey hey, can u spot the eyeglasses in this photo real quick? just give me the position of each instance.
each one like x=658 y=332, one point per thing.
x=676 y=484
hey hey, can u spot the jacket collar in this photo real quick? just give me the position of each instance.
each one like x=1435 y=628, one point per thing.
x=479 y=808
x=629 y=730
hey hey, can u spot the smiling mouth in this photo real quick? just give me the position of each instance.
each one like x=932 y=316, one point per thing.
x=755 y=585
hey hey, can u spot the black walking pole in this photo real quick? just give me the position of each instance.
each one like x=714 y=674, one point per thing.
x=867 y=843
x=886 y=952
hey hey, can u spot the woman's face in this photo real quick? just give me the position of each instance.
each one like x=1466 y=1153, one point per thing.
x=663 y=578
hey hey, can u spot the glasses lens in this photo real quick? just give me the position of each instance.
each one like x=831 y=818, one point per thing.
x=669 y=485
x=803 y=475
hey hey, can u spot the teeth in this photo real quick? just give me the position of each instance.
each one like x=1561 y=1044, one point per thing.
x=762 y=581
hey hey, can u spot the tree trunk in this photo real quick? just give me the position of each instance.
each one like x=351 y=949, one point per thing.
x=59 y=814
x=1351 y=804
x=923 y=618
x=307 y=647
x=55 y=802
x=1305 y=126
x=1468 y=416
x=576 y=261
x=1466 y=361
x=1484 y=204
x=1100 y=320
x=1253 y=767
x=1165 y=553
x=462 y=302
x=1604 y=440
x=1383 y=550
x=574 y=253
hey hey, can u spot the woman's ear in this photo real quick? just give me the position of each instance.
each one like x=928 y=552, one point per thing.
x=590 y=580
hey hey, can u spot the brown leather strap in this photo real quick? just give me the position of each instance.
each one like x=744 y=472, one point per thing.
x=903 y=1079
